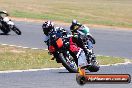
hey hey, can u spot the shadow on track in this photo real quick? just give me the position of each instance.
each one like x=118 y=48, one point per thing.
x=4 y=34
x=63 y=72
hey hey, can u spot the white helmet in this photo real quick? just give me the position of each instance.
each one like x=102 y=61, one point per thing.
x=6 y=19
x=74 y=22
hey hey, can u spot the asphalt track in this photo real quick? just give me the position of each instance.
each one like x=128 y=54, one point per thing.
x=109 y=42
x=59 y=79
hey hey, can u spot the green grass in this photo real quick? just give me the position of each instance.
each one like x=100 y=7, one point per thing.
x=102 y=12
x=12 y=58
x=104 y=60
x=17 y=58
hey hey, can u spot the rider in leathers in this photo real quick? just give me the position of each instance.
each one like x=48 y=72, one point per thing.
x=48 y=26
x=81 y=33
x=1 y=17
x=4 y=18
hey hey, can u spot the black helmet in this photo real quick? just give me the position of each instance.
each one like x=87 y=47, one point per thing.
x=74 y=22
x=48 y=26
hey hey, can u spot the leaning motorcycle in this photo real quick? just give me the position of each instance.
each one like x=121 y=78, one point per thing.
x=59 y=48
x=85 y=41
x=6 y=25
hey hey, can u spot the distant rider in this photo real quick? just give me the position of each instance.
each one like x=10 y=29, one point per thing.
x=4 y=17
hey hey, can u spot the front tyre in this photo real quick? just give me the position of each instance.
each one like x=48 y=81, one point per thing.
x=16 y=30
x=68 y=62
x=94 y=67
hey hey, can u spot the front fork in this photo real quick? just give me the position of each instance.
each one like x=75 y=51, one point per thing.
x=91 y=58
x=55 y=55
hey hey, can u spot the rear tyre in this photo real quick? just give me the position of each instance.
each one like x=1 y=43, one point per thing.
x=93 y=68
x=66 y=62
x=4 y=29
x=5 y=32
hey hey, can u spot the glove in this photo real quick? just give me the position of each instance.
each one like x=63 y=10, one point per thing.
x=47 y=42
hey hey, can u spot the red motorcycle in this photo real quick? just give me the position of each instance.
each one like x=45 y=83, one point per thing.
x=63 y=51
x=66 y=52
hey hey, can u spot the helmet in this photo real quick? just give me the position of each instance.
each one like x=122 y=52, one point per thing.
x=48 y=26
x=74 y=22
x=5 y=12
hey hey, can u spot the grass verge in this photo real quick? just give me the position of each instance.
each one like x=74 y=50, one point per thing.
x=104 y=12
x=109 y=60
x=12 y=58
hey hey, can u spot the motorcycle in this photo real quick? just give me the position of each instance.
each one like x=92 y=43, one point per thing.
x=6 y=25
x=86 y=43
x=66 y=52
x=60 y=49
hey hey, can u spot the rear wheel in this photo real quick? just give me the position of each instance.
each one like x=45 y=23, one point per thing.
x=94 y=67
x=5 y=31
x=68 y=62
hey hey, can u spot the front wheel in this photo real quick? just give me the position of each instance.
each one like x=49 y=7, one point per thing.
x=16 y=30
x=94 y=67
x=68 y=62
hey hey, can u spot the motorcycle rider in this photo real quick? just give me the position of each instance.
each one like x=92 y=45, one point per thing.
x=5 y=19
x=81 y=33
x=77 y=26
x=48 y=27
x=1 y=17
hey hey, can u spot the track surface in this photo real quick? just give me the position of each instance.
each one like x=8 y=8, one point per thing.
x=109 y=42
x=59 y=79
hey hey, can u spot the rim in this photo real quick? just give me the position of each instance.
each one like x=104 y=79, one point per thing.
x=71 y=62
